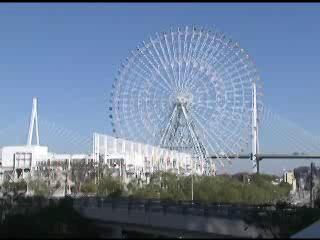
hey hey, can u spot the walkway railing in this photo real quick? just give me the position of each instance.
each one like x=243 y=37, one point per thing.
x=230 y=211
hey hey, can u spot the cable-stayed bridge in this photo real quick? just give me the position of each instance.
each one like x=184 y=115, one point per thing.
x=279 y=140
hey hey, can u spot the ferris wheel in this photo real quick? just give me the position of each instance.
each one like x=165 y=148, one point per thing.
x=188 y=90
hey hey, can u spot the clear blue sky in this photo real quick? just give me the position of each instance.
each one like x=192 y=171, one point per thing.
x=68 y=55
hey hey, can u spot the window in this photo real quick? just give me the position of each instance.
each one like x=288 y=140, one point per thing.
x=22 y=160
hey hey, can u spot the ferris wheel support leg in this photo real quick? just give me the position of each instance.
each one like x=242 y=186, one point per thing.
x=167 y=129
x=193 y=136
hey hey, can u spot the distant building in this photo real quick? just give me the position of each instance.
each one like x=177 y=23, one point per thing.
x=288 y=177
x=303 y=176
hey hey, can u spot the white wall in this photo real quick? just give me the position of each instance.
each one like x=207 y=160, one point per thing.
x=135 y=153
x=39 y=153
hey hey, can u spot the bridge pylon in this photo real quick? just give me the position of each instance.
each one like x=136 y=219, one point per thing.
x=254 y=129
x=33 y=123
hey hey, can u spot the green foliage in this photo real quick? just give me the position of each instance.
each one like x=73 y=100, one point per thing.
x=172 y=187
x=133 y=186
x=39 y=187
x=224 y=189
x=89 y=187
x=14 y=186
x=110 y=186
x=78 y=174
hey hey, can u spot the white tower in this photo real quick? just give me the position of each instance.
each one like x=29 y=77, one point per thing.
x=33 y=123
x=255 y=139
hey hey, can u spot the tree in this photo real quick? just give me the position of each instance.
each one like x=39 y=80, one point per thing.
x=39 y=187
x=14 y=187
x=89 y=187
x=222 y=188
x=133 y=186
x=79 y=173
x=110 y=186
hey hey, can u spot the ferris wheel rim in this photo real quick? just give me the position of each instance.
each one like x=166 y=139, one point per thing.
x=176 y=62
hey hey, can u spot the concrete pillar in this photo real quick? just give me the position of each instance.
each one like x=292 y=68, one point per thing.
x=69 y=163
x=115 y=146
x=123 y=146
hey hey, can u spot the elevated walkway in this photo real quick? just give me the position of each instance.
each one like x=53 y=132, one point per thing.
x=170 y=220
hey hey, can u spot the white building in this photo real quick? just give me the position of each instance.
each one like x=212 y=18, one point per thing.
x=23 y=156
x=288 y=177
x=135 y=157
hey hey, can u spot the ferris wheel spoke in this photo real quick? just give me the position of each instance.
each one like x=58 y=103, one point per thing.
x=168 y=63
x=188 y=60
x=163 y=64
x=194 y=57
x=156 y=69
x=206 y=139
x=147 y=78
x=171 y=57
x=229 y=133
x=215 y=49
x=215 y=138
x=185 y=54
x=176 y=60
x=202 y=50
x=180 y=59
x=200 y=77
x=196 y=118
x=212 y=148
x=168 y=49
x=203 y=58
x=192 y=75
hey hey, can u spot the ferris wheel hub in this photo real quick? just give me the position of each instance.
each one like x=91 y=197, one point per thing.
x=184 y=99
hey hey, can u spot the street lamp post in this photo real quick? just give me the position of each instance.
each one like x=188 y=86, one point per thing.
x=192 y=181
x=192 y=187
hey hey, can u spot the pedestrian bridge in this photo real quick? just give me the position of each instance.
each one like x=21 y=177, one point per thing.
x=173 y=220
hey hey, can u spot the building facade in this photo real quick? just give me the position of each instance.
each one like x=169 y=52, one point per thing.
x=138 y=158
